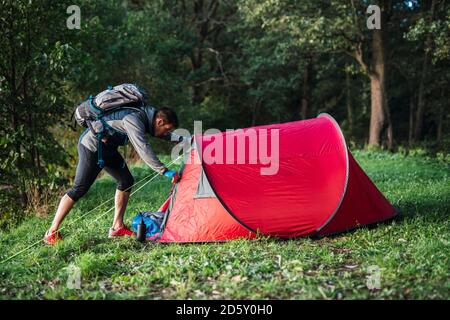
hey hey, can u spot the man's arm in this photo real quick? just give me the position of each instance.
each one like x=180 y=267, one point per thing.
x=135 y=128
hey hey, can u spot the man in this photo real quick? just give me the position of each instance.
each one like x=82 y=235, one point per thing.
x=120 y=126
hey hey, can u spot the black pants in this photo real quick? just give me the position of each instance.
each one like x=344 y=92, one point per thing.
x=88 y=170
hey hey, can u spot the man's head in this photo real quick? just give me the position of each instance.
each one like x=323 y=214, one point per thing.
x=165 y=120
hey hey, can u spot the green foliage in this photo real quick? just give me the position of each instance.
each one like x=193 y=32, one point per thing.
x=231 y=64
x=32 y=99
x=438 y=29
x=411 y=251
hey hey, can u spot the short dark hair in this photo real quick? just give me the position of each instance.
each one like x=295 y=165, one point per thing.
x=168 y=116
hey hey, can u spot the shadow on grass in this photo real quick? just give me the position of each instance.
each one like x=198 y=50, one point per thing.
x=432 y=211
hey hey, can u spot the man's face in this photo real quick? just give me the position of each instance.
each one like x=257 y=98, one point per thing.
x=161 y=128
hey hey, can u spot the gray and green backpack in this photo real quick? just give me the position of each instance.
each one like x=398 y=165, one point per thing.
x=95 y=108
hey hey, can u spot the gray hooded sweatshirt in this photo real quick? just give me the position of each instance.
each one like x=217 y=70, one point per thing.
x=129 y=125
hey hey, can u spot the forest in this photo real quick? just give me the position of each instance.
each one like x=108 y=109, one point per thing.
x=230 y=64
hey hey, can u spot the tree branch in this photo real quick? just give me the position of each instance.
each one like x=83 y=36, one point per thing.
x=213 y=79
x=359 y=56
x=219 y=62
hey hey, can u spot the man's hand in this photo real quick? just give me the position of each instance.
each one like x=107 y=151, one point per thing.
x=171 y=174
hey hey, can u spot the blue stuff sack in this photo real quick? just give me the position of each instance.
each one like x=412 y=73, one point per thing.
x=152 y=221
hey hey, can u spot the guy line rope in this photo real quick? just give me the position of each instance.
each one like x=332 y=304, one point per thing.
x=153 y=175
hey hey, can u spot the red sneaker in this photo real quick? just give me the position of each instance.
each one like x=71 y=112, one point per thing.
x=51 y=238
x=124 y=231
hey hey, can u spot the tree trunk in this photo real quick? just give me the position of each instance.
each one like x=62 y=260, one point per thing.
x=306 y=91
x=203 y=13
x=379 y=117
x=440 y=119
x=349 y=102
x=412 y=108
x=255 y=113
x=421 y=95
x=197 y=53
x=15 y=111
x=439 y=126
x=380 y=132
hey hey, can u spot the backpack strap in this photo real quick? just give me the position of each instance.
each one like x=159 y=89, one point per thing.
x=100 y=161
x=107 y=126
x=99 y=136
x=94 y=108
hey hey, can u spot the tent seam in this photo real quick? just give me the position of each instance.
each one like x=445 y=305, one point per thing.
x=347 y=171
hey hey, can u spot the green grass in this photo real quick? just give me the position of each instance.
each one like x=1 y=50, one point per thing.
x=412 y=252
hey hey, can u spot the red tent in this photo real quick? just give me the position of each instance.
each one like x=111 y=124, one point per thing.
x=317 y=187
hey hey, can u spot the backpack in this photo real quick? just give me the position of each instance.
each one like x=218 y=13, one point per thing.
x=114 y=98
x=153 y=222
x=123 y=96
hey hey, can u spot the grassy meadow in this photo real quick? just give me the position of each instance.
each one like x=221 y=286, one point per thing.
x=411 y=252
